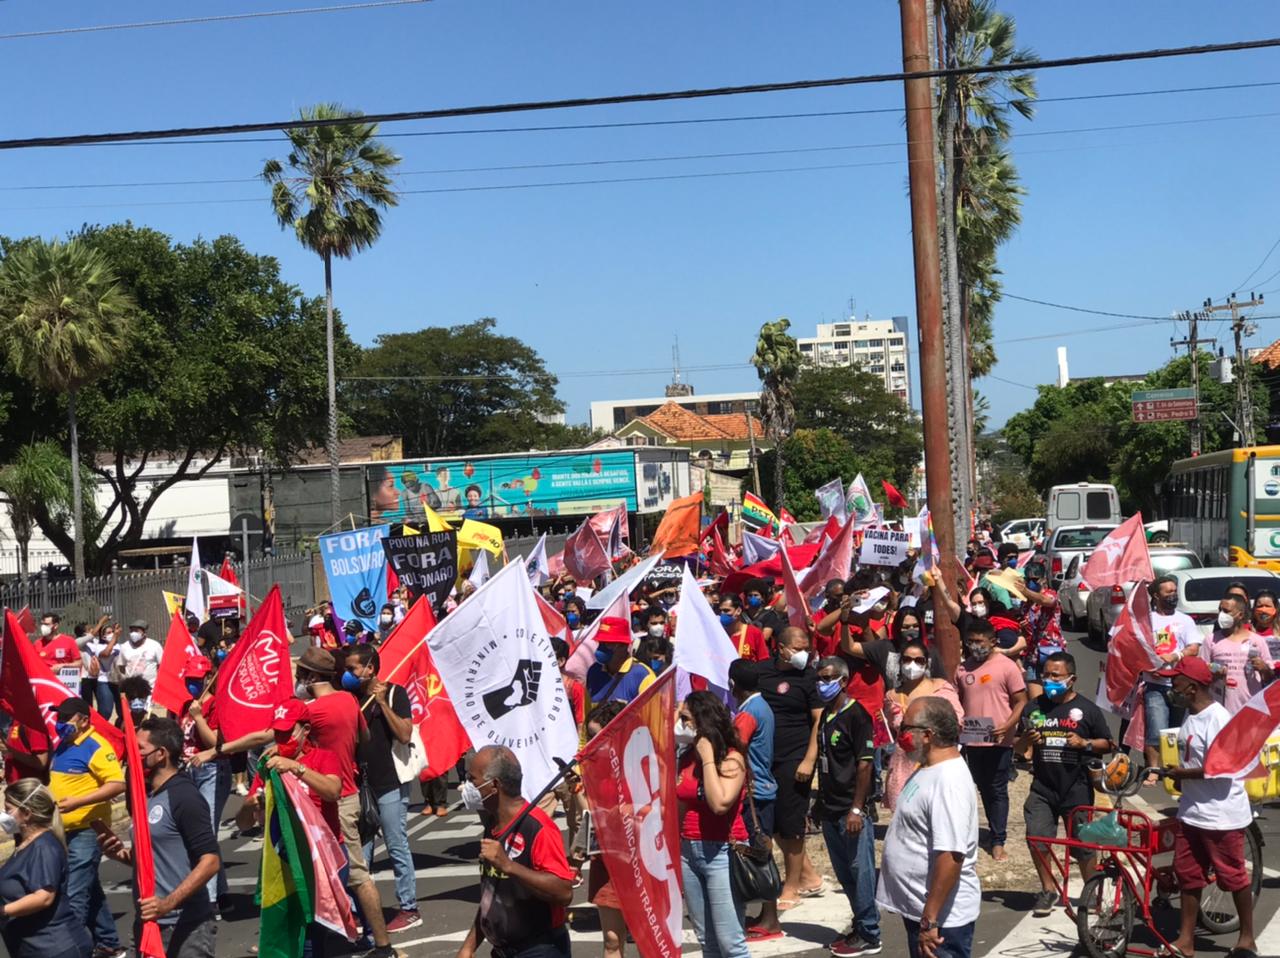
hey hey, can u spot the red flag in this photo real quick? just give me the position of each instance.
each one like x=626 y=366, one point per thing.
x=551 y=617
x=1121 y=557
x=797 y=612
x=719 y=524
x=26 y=620
x=406 y=661
x=832 y=563
x=1132 y=649
x=170 y=691
x=786 y=518
x=31 y=693
x=719 y=560
x=611 y=527
x=144 y=865
x=332 y=904
x=896 y=499
x=255 y=677
x=585 y=556
x=1236 y=748
x=629 y=778
x=227 y=572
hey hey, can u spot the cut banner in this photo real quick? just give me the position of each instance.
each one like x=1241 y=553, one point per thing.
x=629 y=778
x=356 y=569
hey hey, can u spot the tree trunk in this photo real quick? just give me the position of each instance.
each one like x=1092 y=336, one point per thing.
x=77 y=505
x=778 y=468
x=335 y=480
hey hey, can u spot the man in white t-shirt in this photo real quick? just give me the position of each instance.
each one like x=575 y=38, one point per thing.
x=928 y=872
x=1213 y=812
x=140 y=655
x=1176 y=636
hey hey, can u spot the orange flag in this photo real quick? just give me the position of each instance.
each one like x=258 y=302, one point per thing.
x=677 y=534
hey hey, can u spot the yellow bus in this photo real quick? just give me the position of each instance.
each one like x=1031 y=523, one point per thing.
x=1226 y=506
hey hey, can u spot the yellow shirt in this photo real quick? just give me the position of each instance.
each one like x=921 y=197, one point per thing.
x=81 y=766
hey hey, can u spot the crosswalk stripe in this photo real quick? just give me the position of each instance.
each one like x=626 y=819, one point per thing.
x=1034 y=937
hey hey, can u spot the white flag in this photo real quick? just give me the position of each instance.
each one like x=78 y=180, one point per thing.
x=220 y=586
x=480 y=571
x=758 y=548
x=859 y=503
x=625 y=584
x=539 y=570
x=494 y=657
x=702 y=646
x=195 y=590
x=831 y=500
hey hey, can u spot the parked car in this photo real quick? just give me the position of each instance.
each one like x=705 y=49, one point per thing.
x=1024 y=533
x=1200 y=590
x=1074 y=594
x=1104 y=605
x=1083 y=502
x=1157 y=531
x=1067 y=542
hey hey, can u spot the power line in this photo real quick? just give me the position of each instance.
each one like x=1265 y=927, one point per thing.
x=1244 y=282
x=663 y=96
x=215 y=18
x=1010 y=382
x=1094 y=312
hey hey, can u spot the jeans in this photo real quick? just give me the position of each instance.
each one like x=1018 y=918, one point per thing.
x=714 y=910
x=213 y=779
x=98 y=695
x=956 y=942
x=989 y=765
x=84 y=888
x=435 y=792
x=393 y=806
x=853 y=859
x=1158 y=713
x=187 y=941
x=556 y=945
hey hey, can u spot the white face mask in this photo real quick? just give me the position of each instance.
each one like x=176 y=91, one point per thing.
x=913 y=670
x=799 y=660
x=135 y=636
x=657 y=631
x=8 y=824
x=685 y=734
x=46 y=630
x=472 y=799
x=979 y=609
x=1226 y=621
x=386 y=619
x=301 y=690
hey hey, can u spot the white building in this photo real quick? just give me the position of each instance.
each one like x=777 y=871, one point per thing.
x=609 y=415
x=878 y=347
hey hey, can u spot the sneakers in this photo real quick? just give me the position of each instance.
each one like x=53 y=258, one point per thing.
x=1044 y=904
x=853 y=945
x=403 y=921
x=105 y=951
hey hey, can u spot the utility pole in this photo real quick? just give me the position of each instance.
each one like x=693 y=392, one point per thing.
x=922 y=177
x=749 y=412
x=1192 y=342
x=1244 y=402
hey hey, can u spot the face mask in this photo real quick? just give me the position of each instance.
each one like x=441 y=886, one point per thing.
x=195 y=687
x=604 y=655
x=727 y=619
x=754 y=601
x=913 y=670
x=1179 y=700
x=64 y=729
x=135 y=636
x=301 y=690
x=657 y=631
x=46 y=630
x=1263 y=619
x=1226 y=621
x=685 y=734
x=1055 y=690
x=350 y=682
x=573 y=619
x=911 y=634
x=386 y=618
x=799 y=660
x=657 y=665
x=288 y=749
x=979 y=609
x=567 y=594
x=8 y=824
x=1010 y=562
x=219 y=655
x=829 y=690
x=978 y=653
x=472 y=798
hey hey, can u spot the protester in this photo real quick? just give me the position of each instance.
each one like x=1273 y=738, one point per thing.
x=1239 y=658
x=141 y=655
x=710 y=776
x=601 y=891
x=1065 y=731
x=1264 y=621
x=389 y=715
x=184 y=849
x=386 y=622
x=525 y=880
x=914 y=682
x=991 y=688
x=616 y=675
x=212 y=779
x=97 y=656
x=755 y=727
x=790 y=689
x=135 y=695
x=928 y=869
x=84 y=776
x=1213 y=812
x=1041 y=622
x=847 y=783
x=765 y=610
x=747 y=640
x=569 y=791
x=36 y=918
x=827 y=626
x=1176 y=635
x=59 y=651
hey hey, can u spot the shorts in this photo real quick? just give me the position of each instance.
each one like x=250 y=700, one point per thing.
x=348 y=818
x=791 y=805
x=1158 y=713
x=1042 y=815
x=1197 y=850
x=763 y=816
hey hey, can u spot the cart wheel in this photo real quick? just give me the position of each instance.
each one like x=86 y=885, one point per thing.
x=1104 y=919
x=1217 y=909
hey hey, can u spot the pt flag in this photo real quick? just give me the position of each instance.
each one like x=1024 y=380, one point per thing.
x=256 y=676
x=585 y=556
x=833 y=562
x=144 y=864
x=171 y=688
x=495 y=658
x=629 y=778
x=797 y=613
x=678 y=532
x=1131 y=650
x=356 y=569
x=1237 y=747
x=1121 y=557
x=407 y=661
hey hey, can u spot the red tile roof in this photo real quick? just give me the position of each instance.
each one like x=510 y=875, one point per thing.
x=1270 y=356
x=684 y=425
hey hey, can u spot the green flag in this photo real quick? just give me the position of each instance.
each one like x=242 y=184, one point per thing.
x=285 y=885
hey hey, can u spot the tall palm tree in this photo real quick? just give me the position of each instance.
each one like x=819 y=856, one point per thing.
x=777 y=362
x=64 y=318
x=330 y=190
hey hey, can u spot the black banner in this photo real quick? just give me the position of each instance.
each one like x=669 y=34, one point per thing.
x=426 y=564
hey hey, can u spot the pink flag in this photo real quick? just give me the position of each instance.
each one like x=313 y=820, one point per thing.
x=332 y=906
x=1235 y=749
x=1131 y=650
x=1121 y=557
x=583 y=655
x=796 y=613
x=585 y=556
x=611 y=527
x=551 y=618
x=833 y=563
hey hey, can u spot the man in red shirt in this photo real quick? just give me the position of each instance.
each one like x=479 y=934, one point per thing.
x=747 y=639
x=59 y=651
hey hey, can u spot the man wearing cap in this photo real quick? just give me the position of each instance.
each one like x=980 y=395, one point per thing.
x=1213 y=812
x=84 y=776
x=616 y=676
x=141 y=655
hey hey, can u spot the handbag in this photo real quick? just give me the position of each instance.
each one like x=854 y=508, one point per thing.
x=752 y=870
x=409 y=758
x=369 y=821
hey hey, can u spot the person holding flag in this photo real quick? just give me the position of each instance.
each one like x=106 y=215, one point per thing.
x=184 y=847
x=1176 y=637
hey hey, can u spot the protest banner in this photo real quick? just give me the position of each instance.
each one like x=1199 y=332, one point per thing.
x=356 y=569
x=884 y=547
x=426 y=564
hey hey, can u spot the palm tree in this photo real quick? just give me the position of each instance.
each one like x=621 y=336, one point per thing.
x=64 y=318
x=777 y=362
x=39 y=478
x=337 y=184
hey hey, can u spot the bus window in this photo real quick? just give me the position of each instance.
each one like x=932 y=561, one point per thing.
x=1097 y=506
x=1068 y=507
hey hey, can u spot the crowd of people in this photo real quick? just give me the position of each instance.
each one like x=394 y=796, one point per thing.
x=827 y=730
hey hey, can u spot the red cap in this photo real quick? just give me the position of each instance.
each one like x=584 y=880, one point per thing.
x=1193 y=667
x=614 y=631
x=983 y=562
x=288 y=714
x=198 y=666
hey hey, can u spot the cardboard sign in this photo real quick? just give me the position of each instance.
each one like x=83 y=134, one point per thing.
x=978 y=729
x=426 y=564
x=884 y=547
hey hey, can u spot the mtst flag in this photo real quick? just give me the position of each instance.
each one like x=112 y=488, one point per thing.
x=256 y=676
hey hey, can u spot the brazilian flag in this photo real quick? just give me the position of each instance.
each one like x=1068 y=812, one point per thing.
x=286 y=884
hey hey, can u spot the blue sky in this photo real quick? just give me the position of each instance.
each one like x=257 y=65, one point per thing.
x=1146 y=219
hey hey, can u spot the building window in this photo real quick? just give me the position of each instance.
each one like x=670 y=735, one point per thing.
x=878 y=370
x=860 y=343
x=806 y=347
x=895 y=340
x=877 y=344
x=898 y=368
x=843 y=347
x=842 y=331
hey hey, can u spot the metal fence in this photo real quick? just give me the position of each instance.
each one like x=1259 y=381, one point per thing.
x=127 y=595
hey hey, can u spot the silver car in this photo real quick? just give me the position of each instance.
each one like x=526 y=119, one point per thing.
x=1104 y=605
x=1066 y=543
x=1074 y=595
x=1200 y=590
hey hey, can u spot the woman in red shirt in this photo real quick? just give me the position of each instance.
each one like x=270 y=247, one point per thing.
x=710 y=776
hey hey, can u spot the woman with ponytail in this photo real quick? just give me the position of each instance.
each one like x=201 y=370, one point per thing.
x=35 y=914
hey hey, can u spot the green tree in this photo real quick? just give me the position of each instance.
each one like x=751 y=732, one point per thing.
x=336 y=184
x=1013 y=497
x=64 y=320
x=777 y=362
x=809 y=457
x=456 y=389
x=39 y=477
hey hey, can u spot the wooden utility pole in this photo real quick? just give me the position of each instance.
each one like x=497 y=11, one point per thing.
x=922 y=176
x=1192 y=342
x=1244 y=402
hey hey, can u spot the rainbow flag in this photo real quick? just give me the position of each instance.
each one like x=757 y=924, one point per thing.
x=756 y=515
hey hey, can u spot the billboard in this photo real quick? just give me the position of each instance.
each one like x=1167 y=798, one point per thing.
x=503 y=487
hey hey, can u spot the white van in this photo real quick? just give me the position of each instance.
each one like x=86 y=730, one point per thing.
x=1083 y=503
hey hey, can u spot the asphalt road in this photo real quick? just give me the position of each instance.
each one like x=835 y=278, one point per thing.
x=445 y=853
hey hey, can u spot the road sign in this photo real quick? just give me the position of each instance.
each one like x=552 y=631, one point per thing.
x=1162 y=395
x=1164 y=405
